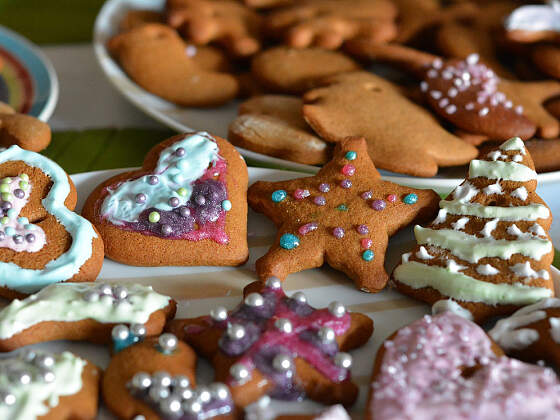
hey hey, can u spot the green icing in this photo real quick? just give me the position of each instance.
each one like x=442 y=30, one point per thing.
x=507 y=171
x=510 y=214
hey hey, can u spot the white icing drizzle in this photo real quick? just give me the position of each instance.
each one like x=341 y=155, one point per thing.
x=515 y=143
x=495 y=155
x=405 y=257
x=509 y=214
x=555 y=329
x=489 y=228
x=493 y=189
x=517 y=158
x=460 y=223
x=449 y=305
x=520 y=193
x=454 y=267
x=526 y=271
x=335 y=412
x=537 y=230
x=465 y=192
x=441 y=217
x=515 y=231
x=508 y=171
x=535 y=18
x=423 y=254
x=487 y=270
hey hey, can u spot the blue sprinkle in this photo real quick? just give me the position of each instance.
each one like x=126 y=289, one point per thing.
x=23 y=220
x=119 y=345
x=279 y=196
x=29 y=227
x=10 y=231
x=289 y=241
x=351 y=155
x=368 y=255
x=226 y=205
x=12 y=213
x=342 y=207
x=410 y=198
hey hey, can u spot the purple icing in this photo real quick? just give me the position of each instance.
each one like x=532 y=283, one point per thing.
x=206 y=200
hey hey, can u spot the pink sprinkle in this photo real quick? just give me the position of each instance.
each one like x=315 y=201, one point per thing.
x=391 y=198
x=348 y=169
x=452 y=92
x=346 y=183
x=324 y=187
x=432 y=73
x=300 y=194
x=436 y=94
x=519 y=109
x=483 y=112
x=451 y=109
x=423 y=86
x=362 y=229
x=367 y=195
x=320 y=200
x=308 y=227
x=437 y=63
x=508 y=104
x=472 y=59
x=469 y=106
x=338 y=232
x=447 y=75
x=366 y=243
x=444 y=102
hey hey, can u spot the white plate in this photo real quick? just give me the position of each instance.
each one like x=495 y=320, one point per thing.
x=198 y=289
x=216 y=120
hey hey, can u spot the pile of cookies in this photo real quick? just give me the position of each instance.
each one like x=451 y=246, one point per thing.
x=486 y=253
x=428 y=83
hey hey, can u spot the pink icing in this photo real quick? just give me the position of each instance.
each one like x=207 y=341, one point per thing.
x=421 y=377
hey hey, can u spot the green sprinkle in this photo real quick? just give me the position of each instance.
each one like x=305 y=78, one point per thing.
x=24 y=177
x=23 y=185
x=6 y=196
x=154 y=217
x=342 y=207
x=6 y=180
x=5 y=220
x=182 y=192
x=5 y=188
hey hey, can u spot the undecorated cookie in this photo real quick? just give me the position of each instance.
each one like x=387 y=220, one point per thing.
x=274 y=125
x=22 y=130
x=185 y=206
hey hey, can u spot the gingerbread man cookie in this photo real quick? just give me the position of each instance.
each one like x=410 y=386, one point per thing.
x=22 y=130
x=185 y=206
x=344 y=215
x=156 y=58
x=279 y=346
x=42 y=241
x=82 y=311
x=445 y=366
x=488 y=249
x=46 y=386
x=363 y=104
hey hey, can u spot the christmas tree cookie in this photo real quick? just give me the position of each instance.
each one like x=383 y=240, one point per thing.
x=488 y=249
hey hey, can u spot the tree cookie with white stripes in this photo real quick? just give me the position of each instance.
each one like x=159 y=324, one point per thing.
x=489 y=248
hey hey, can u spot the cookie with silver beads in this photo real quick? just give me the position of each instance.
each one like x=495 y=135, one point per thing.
x=276 y=345
x=155 y=378
x=186 y=206
x=40 y=384
x=94 y=312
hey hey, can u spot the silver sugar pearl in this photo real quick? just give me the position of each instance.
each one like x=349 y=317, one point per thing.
x=254 y=300
x=239 y=372
x=343 y=360
x=337 y=309
x=284 y=325
x=203 y=395
x=192 y=406
x=326 y=334
x=44 y=361
x=219 y=314
x=181 y=381
x=20 y=376
x=282 y=363
x=120 y=292
x=185 y=393
x=91 y=296
x=273 y=283
x=167 y=342
x=161 y=378
x=7 y=398
x=153 y=180
x=219 y=391
x=120 y=332
x=18 y=239
x=300 y=297
x=105 y=289
x=158 y=393
x=138 y=330
x=140 y=198
x=47 y=375
x=235 y=331
x=28 y=355
x=170 y=406
x=173 y=202
x=180 y=152
x=185 y=211
x=141 y=381
x=166 y=229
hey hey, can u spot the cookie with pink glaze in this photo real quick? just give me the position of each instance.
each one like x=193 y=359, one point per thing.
x=279 y=346
x=445 y=366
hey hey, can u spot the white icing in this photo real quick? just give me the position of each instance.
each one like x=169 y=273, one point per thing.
x=423 y=254
x=449 y=305
x=534 y=18
x=508 y=171
x=515 y=231
x=526 y=271
x=515 y=143
x=460 y=223
x=405 y=257
x=529 y=212
x=495 y=155
x=65 y=302
x=441 y=217
x=517 y=158
x=537 y=230
x=465 y=192
x=520 y=193
x=335 y=412
x=489 y=227
x=493 y=189
x=555 y=329
x=454 y=267
x=487 y=270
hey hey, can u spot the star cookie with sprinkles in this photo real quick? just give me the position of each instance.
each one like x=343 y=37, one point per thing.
x=489 y=248
x=344 y=215
x=279 y=346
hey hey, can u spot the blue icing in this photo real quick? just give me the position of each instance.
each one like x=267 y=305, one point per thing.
x=173 y=171
x=68 y=264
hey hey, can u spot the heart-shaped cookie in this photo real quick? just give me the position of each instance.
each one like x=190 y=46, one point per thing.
x=446 y=367
x=186 y=206
x=42 y=241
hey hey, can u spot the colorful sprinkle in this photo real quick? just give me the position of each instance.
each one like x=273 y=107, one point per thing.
x=367 y=195
x=410 y=198
x=338 y=232
x=5 y=220
x=366 y=243
x=6 y=196
x=29 y=227
x=226 y=205
x=173 y=201
x=12 y=213
x=154 y=217
x=378 y=205
x=24 y=177
x=362 y=229
x=23 y=220
x=10 y=231
x=342 y=207
x=6 y=180
x=308 y=227
x=300 y=194
x=279 y=196
x=368 y=255
x=348 y=169
x=289 y=241
x=182 y=192
x=346 y=183
x=140 y=198
x=153 y=180
x=5 y=188
x=320 y=200
x=324 y=187
x=24 y=185
x=391 y=198
x=351 y=155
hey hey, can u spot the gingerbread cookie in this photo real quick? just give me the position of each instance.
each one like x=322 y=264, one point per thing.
x=344 y=216
x=155 y=379
x=547 y=59
x=329 y=23
x=41 y=240
x=153 y=55
x=446 y=367
x=82 y=312
x=225 y=22
x=41 y=385
x=267 y=4
x=335 y=412
x=274 y=125
x=534 y=23
x=488 y=249
x=290 y=70
x=363 y=104
x=545 y=154
x=138 y=17
x=279 y=346
x=22 y=130
x=185 y=206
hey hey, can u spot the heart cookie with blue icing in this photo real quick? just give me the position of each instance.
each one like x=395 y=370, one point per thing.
x=186 y=206
x=42 y=241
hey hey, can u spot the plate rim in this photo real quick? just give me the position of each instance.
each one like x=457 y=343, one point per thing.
x=52 y=100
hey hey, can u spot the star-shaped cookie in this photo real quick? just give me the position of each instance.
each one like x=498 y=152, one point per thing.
x=344 y=215
x=279 y=346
